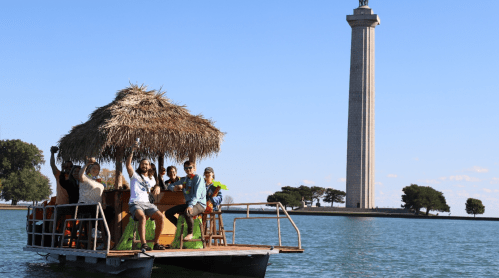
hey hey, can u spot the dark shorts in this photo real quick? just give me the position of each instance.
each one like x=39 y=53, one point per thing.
x=148 y=208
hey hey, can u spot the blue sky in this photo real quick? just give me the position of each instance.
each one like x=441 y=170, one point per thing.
x=274 y=75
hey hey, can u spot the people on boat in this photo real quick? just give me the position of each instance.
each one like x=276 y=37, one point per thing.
x=171 y=172
x=153 y=174
x=61 y=194
x=213 y=194
x=141 y=186
x=194 y=190
x=90 y=188
x=71 y=184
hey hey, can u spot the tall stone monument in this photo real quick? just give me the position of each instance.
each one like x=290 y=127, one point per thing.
x=360 y=146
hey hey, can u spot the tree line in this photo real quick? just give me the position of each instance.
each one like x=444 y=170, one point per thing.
x=416 y=197
x=292 y=196
x=20 y=176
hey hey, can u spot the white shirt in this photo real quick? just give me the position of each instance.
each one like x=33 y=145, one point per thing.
x=139 y=188
x=90 y=191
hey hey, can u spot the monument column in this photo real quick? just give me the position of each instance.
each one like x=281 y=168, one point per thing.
x=360 y=145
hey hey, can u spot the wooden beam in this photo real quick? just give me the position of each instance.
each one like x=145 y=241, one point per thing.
x=161 y=161
x=118 y=177
x=117 y=225
x=192 y=157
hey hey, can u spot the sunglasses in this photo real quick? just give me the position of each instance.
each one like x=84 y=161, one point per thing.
x=188 y=168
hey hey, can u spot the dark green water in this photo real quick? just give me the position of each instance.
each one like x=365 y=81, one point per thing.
x=334 y=247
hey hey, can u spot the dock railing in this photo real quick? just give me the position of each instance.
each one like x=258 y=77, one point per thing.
x=278 y=206
x=43 y=231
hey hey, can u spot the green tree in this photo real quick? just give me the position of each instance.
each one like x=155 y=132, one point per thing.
x=26 y=185
x=334 y=195
x=20 y=164
x=287 y=199
x=433 y=200
x=474 y=206
x=16 y=155
x=317 y=192
x=417 y=197
x=411 y=198
x=44 y=190
x=304 y=191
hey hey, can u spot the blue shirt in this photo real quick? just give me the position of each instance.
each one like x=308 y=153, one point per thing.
x=210 y=189
x=194 y=190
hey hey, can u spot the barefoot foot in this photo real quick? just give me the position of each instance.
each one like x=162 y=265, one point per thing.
x=188 y=237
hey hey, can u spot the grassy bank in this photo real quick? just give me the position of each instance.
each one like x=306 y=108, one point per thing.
x=9 y=207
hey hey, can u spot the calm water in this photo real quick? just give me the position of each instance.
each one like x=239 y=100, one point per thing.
x=334 y=247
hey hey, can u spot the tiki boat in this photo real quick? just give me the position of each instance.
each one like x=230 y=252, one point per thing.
x=67 y=233
x=78 y=234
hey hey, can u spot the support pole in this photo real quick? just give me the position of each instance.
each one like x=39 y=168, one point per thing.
x=192 y=157
x=161 y=161
x=118 y=177
x=118 y=184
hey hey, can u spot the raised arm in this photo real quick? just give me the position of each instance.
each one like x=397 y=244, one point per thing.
x=129 y=167
x=82 y=177
x=53 y=150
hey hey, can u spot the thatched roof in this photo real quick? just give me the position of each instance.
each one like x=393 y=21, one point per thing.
x=163 y=128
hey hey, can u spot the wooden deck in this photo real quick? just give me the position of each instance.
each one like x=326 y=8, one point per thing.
x=232 y=250
x=211 y=252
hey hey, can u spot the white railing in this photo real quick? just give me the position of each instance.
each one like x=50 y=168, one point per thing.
x=50 y=224
x=278 y=207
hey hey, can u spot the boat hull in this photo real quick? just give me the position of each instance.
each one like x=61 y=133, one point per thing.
x=220 y=266
x=226 y=266
x=115 y=266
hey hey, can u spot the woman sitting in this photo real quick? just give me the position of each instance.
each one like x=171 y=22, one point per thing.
x=213 y=194
x=171 y=172
x=91 y=190
x=151 y=173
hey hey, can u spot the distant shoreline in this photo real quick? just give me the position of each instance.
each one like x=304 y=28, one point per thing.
x=10 y=207
x=367 y=214
x=327 y=213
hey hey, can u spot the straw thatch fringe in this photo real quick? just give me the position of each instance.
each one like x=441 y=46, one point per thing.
x=163 y=128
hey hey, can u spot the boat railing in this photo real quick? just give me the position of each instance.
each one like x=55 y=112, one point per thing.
x=279 y=207
x=44 y=229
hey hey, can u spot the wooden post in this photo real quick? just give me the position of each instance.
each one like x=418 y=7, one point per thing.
x=192 y=157
x=161 y=161
x=118 y=184
x=117 y=225
x=118 y=177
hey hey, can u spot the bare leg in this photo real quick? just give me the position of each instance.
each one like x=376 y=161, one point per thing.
x=189 y=218
x=190 y=221
x=159 y=219
x=139 y=214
